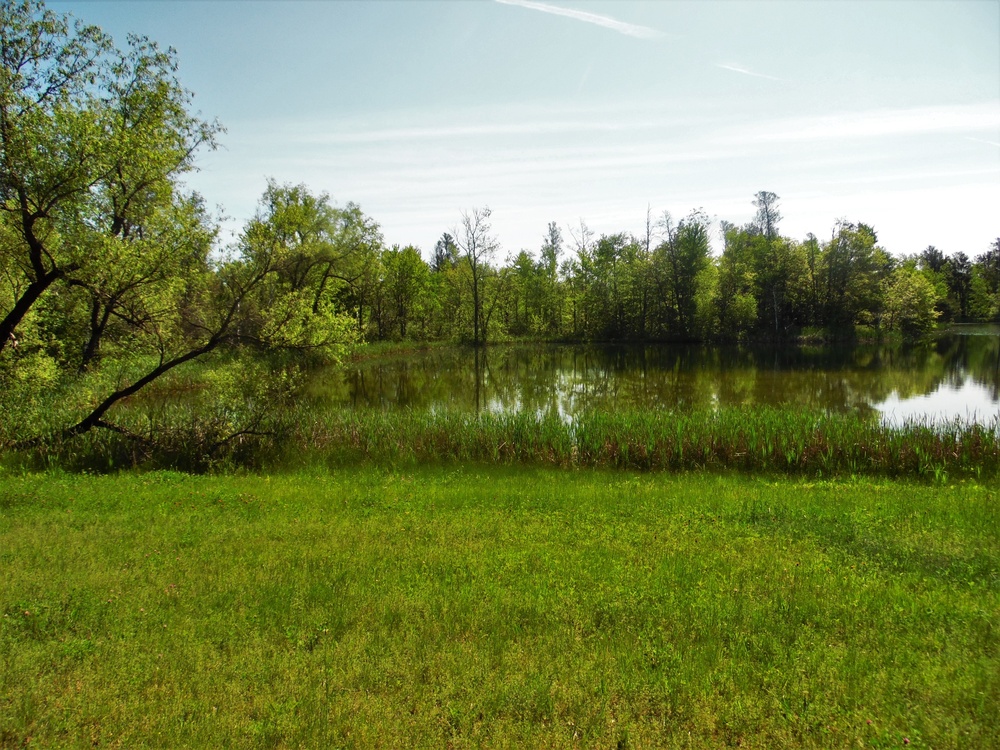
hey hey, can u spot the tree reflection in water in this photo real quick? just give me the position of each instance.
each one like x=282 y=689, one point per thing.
x=567 y=379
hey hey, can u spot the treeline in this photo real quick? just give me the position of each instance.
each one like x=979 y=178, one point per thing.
x=109 y=268
x=666 y=285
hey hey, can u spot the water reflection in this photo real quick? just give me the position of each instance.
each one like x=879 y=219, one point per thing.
x=955 y=376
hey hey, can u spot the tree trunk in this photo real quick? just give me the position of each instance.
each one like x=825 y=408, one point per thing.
x=98 y=322
x=35 y=290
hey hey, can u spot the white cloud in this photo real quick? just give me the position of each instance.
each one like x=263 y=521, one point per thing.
x=536 y=163
x=449 y=132
x=886 y=122
x=981 y=140
x=629 y=29
x=744 y=71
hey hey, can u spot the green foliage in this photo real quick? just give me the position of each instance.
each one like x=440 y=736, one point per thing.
x=911 y=301
x=406 y=283
x=679 y=264
x=93 y=141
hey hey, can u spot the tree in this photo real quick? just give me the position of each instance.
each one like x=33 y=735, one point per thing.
x=958 y=276
x=736 y=302
x=445 y=253
x=523 y=292
x=92 y=141
x=910 y=302
x=777 y=267
x=98 y=241
x=767 y=217
x=678 y=261
x=310 y=249
x=853 y=269
x=139 y=278
x=990 y=264
x=603 y=273
x=478 y=245
x=406 y=280
x=987 y=281
x=551 y=248
x=551 y=293
x=576 y=271
x=325 y=253
x=933 y=259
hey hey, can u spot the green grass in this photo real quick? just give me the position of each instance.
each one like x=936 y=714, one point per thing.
x=504 y=607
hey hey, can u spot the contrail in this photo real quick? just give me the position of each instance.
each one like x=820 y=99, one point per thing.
x=629 y=29
x=745 y=72
x=980 y=140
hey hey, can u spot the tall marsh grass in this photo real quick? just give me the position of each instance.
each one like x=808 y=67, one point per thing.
x=766 y=440
x=761 y=439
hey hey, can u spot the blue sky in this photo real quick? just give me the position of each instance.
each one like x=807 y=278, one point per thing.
x=883 y=112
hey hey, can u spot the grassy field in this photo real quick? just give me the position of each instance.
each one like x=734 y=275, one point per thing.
x=497 y=607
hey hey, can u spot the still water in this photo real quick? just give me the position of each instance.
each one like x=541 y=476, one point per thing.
x=955 y=376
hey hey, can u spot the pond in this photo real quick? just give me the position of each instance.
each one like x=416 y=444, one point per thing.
x=954 y=376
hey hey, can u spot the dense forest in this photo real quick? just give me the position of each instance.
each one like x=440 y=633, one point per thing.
x=105 y=257
x=665 y=285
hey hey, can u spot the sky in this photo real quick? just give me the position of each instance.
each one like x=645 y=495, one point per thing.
x=881 y=112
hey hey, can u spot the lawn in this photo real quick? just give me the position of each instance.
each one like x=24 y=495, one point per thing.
x=467 y=606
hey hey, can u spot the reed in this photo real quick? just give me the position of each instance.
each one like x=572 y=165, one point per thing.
x=768 y=440
x=765 y=440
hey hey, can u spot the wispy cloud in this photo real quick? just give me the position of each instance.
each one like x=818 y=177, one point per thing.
x=629 y=29
x=744 y=71
x=883 y=123
x=981 y=140
x=539 y=162
x=469 y=131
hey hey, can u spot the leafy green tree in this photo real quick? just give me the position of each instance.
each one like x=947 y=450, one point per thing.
x=853 y=272
x=551 y=293
x=780 y=270
x=100 y=247
x=329 y=254
x=736 y=302
x=933 y=259
x=92 y=141
x=987 y=272
x=933 y=264
x=958 y=276
x=602 y=273
x=768 y=215
x=678 y=263
x=982 y=305
x=523 y=295
x=406 y=282
x=990 y=264
x=910 y=302
x=812 y=285
x=143 y=274
x=310 y=251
